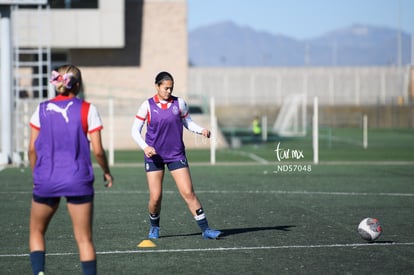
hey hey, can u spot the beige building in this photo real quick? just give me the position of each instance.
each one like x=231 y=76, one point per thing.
x=120 y=46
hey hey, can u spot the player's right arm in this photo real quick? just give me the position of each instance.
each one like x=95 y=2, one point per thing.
x=34 y=133
x=136 y=130
x=140 y=118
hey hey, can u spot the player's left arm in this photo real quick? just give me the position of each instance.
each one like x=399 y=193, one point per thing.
x=188 y=122
x=100 y=156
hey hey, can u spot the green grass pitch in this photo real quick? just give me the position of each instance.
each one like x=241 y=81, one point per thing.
x=289 y=222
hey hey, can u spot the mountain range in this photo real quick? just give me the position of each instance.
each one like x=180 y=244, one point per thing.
x=227 y=44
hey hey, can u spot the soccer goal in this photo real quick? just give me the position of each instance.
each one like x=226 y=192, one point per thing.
x=291 y=121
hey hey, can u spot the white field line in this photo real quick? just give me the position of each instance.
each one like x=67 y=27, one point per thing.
x=352 y=245
x=262 y=192
x=254 y=157
x=259 y=161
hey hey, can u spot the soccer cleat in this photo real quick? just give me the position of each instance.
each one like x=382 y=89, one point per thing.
x=154 y=232
x=211 y=234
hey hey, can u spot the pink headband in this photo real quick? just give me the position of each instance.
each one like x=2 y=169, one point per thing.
x=57 y=79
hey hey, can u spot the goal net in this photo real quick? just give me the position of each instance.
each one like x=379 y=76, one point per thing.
x=291 y=121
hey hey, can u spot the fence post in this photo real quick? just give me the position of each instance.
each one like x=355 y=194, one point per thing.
x=111 y=131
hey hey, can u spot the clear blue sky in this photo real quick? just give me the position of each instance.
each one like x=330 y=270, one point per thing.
x=302 y=19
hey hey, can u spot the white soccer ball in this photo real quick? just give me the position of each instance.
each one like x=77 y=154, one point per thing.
x=370 y=229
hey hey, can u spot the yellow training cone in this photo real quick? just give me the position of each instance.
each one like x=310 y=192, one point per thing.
x=146 y=243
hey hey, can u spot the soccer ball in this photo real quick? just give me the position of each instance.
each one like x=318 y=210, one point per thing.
x=370 y=229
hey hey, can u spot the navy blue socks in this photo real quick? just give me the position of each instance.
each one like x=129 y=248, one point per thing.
x=89 y=267
x=37 y=259
x=201 y=219
x=155 y=219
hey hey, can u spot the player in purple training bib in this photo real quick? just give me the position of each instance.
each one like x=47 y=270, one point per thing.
x=60 y=159
x=165 y=116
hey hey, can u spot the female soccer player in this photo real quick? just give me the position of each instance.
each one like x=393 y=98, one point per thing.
x=163 y=145
x=60 y=159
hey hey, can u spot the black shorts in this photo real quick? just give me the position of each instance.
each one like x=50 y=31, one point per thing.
x=52 y=201
x=158 y=166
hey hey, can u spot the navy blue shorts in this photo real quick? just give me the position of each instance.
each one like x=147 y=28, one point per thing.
x=158 y=166
x=52 y=201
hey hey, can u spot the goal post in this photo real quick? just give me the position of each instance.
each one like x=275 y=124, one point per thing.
x=365 y=131
x=315 y=131
x=213 y=138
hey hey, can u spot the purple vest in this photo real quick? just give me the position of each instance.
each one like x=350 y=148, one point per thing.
x=165 y=132
x=63 y=166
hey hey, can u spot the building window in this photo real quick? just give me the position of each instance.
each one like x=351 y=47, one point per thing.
x=73 y=4
x=67 y=4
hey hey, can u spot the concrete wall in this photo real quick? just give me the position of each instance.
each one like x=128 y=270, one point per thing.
x=385 y=94
x=353 y=86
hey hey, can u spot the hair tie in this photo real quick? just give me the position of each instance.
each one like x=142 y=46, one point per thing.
x=58 y=80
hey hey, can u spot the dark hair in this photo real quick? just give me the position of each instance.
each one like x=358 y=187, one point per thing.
x=162 y=76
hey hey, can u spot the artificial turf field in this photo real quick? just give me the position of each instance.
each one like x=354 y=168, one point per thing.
x=273 y=221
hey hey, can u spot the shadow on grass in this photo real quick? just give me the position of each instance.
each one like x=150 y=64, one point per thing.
x=235 y=231
x=385 y=242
